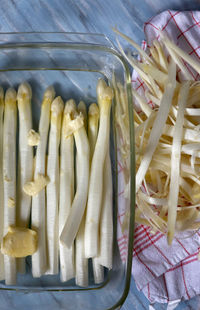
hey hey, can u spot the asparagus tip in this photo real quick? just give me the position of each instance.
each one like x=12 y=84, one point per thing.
x=82 y=106
x=24 y=91
x=57 y=105
x=93 y=110
x=49 y=93
x=10 y=95
x=104 y=92
x=70 y=106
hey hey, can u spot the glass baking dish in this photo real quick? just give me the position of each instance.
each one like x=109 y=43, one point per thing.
x=72 y=62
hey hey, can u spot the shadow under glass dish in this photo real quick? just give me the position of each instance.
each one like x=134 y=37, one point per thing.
x=72 y=63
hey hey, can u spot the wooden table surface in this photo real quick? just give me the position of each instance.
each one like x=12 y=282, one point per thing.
x=97 y=16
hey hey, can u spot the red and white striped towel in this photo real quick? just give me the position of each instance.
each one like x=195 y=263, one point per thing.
x=164 y=273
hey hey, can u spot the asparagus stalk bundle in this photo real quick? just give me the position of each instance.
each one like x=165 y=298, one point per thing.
x=61 y=211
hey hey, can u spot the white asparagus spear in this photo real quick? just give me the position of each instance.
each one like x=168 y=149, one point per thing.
x=25 y=161
x=93 y=125
x=9 y=175
x=67 y=268
x=81 y=262
x=1 y=181
x=106 y=226
x=53 y=186
x=79 y=203
x=104 y=95
x=39 y=258
x=98 y=271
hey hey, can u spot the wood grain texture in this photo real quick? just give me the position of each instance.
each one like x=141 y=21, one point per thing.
x=97 y=16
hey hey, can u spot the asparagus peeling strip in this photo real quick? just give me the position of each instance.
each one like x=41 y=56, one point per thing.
x=135 y=45
x=175 y=161
x=73 y=221
x=39 y=258
x=53 y=187
x=1 y=181
x=67 y=270
x=169 y=44
x=104 y=97
x=9 y=175
x=162 y=115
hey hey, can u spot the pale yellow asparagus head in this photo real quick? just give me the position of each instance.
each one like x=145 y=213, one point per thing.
x=93 y=114
x=70 y=106
x=93 y=125
x=93 y=110
x=104 y=94
x=57 y=106
x=10 y=97
x=49 y=95
x=24 y=93
x=82 y=108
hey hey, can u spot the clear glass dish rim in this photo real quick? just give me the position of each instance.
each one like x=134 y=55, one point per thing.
x=109 y=47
